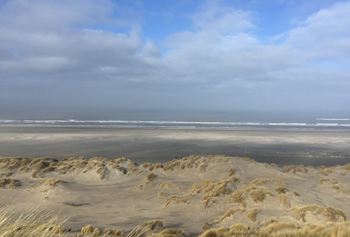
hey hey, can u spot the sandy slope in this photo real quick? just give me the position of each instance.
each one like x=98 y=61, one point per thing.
x=185 y=193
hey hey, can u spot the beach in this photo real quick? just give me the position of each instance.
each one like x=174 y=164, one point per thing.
x=283 y=147
x=118 y=178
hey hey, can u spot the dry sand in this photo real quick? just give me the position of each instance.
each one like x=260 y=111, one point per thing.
x=192 y=193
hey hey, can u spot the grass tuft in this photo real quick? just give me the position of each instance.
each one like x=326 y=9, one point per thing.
x=329 y=213
x=238 y=228
x=29 y=223
x=151 y=177
x=284 y=201
x=226 y=215
x=257 y=195
x=251 y=214
x=276 y=227
x=239 y=197
x=176 y=199
x=114 y=232
x=52 y=182
x=9 y=183
x=87 y=229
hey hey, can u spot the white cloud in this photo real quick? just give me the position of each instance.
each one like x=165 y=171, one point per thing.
x=221 y=19
x=325 y=34
x=66 y=42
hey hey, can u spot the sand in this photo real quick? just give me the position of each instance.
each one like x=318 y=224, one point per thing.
x=192 y=193
x=161 y=145
x=189 y=194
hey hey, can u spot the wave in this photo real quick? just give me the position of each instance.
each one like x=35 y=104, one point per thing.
x=327 y=124
x=340 y=119
x=174 y=124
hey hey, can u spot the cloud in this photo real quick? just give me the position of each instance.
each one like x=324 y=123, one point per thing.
x=92 y=47
x=222 y=19
x=325 y=34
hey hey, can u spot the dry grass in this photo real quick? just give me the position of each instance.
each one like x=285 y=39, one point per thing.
x=168 y=184
x=281 y=230
x=170 y=232
x=329 y=213
x=198 y=187
x=238 y=228
x=210 y=189
x=257 y=195
x=36 y=173
x=52 y=182
x=284 y=201
x=95 y=233
x=276 y=227
x=239 y=197
x=160 y=194
x=323 y=180
x=9 y=183
x=114 y=232
x=203 y=168
x=176 y=199
x=293 y=169
x=158 y=166
x=338 y=189
x=231 y=172
x=171 y=165
x=37 y=223
x=346 y=167
x=280 y=187
x=260 y=182
x=31 y=223
x=272 y=220
x=146 y=165
x=206 y=226
x=151 y=177
x=226 y=215
x=324 y=173
x=153 y=224
x=249 y=188
x=251 y=214
x=216 y=189
x=88 y=229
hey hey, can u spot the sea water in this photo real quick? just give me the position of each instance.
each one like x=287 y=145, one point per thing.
x=187 y=119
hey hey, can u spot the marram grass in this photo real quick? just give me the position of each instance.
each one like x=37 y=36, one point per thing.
x=30 y=223
x=38 y=223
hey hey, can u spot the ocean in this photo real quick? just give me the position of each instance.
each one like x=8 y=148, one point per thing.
x=185 y=119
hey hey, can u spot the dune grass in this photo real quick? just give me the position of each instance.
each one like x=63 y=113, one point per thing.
x=9 y=183
x=30 y=223
x=330 y=213
x=36 y=222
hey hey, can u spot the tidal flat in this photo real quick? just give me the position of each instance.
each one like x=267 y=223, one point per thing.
x=283 y=147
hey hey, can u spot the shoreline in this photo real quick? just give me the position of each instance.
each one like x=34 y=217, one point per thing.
x=320 y=129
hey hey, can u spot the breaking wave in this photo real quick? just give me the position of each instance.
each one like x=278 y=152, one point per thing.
x=180 y=124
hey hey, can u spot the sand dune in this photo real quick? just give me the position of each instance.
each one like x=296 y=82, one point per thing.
x=193 y=194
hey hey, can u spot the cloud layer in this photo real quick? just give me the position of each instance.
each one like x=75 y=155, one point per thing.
x=94 y=54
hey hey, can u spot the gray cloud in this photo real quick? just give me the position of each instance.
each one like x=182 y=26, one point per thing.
x=58 y=53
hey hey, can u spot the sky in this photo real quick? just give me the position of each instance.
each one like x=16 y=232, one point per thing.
x=184 y=54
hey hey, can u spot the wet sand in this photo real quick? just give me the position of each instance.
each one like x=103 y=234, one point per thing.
x=153 y=145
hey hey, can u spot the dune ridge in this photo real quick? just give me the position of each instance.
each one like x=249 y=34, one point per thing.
x=195 y=195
